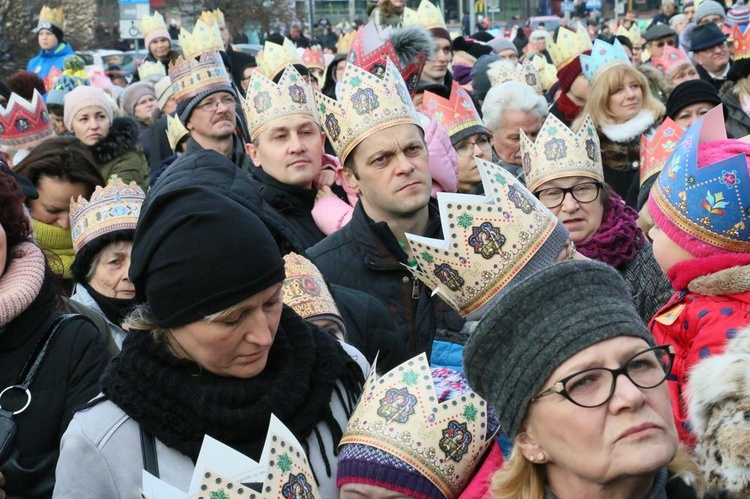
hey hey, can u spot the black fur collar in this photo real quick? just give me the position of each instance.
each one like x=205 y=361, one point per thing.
x=122 y=137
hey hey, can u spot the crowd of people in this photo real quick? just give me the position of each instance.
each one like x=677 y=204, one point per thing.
x=425 y=266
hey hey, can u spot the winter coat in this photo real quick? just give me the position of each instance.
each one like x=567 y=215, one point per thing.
x=155 y=144
x=365 y=255
x=239 y=158
x=711 y=305
x=67 y=379
x=705 y=76
x=649 y=287
x=238 y=61
x=43 y=63
x=738 y=122
x=83 y=297
x=106 y=442
x=657 y=82
x=120 y=153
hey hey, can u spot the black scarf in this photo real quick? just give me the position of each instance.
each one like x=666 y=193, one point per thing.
x=115 y=309
x=178 y=402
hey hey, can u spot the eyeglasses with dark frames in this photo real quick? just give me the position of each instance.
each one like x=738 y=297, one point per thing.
x=210 y=107
x=466 y=148
x=585 y=192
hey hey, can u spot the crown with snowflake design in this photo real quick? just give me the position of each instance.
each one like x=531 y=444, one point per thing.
x=427 y=16
x=741 y=41
x=268 y=102
x=710 y=203
x=488 y=240
x=176 y=131
x=204 y=38
x=526 y=73
x=455 y=114
x=569 y=44
x=399 y=413
x=603 y=55
x=23 y=122
x=368 y=103
x=558 y=152
x=215 y=16
x=221 y=472
x=274 y=58
x=633 y=34
x=656 y=151
x=670 y=58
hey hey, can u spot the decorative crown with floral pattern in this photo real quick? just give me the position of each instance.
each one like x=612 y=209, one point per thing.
x=558 y=152
x=215 y=16
x=488 y=240
x=176 y=131
x=51 y=17
x=305 y=289
x=526 y=73
x=274 y=58
x=23 y=122
x=149 y=69
x=710 y=203
x=111 y=208
x=427 y=15
x=670 y=58
x=151 y=23
x=633 y=34
x=741 y=43
x=191 y=77
x=268 y=102
x=399 y=414
x=220 y=471
x=656 y=151
x=569 y=44
x=313 y=58
x=204 y=38
x=602 y=56
x=455 y=114
x=367 y=104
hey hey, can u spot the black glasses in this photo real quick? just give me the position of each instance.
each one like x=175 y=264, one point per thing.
x=585 y=192
x=594 y=387
x=661 y=43
x=210 y=107
x=466 y=148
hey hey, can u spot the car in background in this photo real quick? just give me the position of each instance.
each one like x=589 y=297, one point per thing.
x=550 y=23
x=100 y=58
x=247 y=48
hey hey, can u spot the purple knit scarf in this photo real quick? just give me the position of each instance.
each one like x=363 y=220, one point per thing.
x=618 y=239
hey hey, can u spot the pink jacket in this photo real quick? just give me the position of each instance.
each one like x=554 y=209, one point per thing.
x=479 y=486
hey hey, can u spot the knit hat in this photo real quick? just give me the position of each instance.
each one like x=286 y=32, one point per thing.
x=500 y=44
x=133 y=94
x=567 y=74
x=708 y=8
x=179 y=233
x=691 y=92
x=705 y=36
x=739 y=13
x=63 y=85
x=164 y=91
x=676 y=20
x=514 y=349
x=81 y=97
x=480 y=82
x=52 y=20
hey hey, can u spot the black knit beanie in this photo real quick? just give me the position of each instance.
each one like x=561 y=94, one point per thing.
x=691 y=92
x=197 y=252
x=540 y=323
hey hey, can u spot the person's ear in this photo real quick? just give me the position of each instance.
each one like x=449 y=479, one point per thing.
x=351 y=182
x=252 y=151
x=529 y=446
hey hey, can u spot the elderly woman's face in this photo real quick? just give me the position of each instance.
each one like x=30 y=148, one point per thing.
x=684 y=72
x=581 y=219
x=109 y=276
x=237 y=346
x=630 y=435
x=692 y=113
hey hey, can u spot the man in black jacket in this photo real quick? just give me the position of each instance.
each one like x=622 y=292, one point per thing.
x=711 y=54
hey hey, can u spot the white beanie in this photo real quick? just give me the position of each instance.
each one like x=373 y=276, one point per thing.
x=81 y=97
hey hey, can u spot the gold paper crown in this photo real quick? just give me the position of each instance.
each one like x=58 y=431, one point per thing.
x=399 y=413
x=176 y=131
x=633 y=34
x=344 y=43
x=526 y=73
x=204 y=38
x=268 y=102
x=305 y=289
x=55 y=17
x=558 y=152
x=547 y=72
x=488 y=240
x=427 y=16
x=569 y=44
x=111 y=208
x=274 y=58
x=367 y=104
x=152 y=23
x=741 y=43
x=148 y=69
x=215 y=16
x=191 y=77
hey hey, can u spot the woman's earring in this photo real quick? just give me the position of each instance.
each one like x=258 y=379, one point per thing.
x=540 y=457
x=532 y=458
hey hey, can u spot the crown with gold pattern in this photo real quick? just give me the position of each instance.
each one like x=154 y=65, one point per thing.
x=274 y=58
x=23 y=122
x=215 y=16
x=569 y=44
x=741 y=43
x=399 y=413
x=488 y=241
x=111 y=208
x=367 y=104
x=151 y=70
x=220 y=471
x=51 y=17
x=527 y=73
x=633 y=34
x=455 y=114
x=191 y=77
x=656 y=151
x=671 y=58
x=204 y=38
x=558 y=152
x=313 y=58
x=176 y=131
x=427 y=16
x=151 y=23
x=306 y=291
x=268 y=102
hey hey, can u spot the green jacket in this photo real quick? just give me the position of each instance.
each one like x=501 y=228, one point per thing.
x=120 y=153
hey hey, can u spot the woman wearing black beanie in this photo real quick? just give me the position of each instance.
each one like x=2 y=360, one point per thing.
x=690 y=100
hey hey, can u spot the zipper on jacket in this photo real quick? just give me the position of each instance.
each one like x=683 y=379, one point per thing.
x=414 y=288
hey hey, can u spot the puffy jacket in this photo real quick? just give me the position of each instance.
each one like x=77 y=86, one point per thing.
x=43 y=63
x=120 y=153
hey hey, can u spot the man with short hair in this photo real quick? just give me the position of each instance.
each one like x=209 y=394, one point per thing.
x=688 y=8
x=300 y=40
x=711 y=54
x=668 y=9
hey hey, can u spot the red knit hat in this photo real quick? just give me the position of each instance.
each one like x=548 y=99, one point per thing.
x=567 y=74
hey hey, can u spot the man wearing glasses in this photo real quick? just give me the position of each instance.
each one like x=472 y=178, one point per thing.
x=657 y=37
x=711 y=54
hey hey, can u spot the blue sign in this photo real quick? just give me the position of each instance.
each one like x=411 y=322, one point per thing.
x=594 y=4
x=567 y=6
x=132 y=1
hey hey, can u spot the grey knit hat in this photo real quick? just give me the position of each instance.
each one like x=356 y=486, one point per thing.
x=500 y=44
x=133 y=94
x=539 y=324
x=479 y=80
x=709 y=8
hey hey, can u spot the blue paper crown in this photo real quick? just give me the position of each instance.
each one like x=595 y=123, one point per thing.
x=602 y=54
x=710 y=203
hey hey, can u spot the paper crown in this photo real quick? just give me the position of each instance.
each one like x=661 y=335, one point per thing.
x=23 y=122
x=455 y=114
x=371 y=50
x=220 y=471
x=633 y=34
x=204 y=38
x=488 y=240
x=268 y=102
x=344 y=43
x=305 y=289
x=526 y=73
x=741 y=43
x=670 y=58
x=149 y=69
x=191 y=77
x=47 y=16
x=151 y=23
x=602 y=55
x=427 y=16
x=558 y=152
x=313 y=58
x=215 y=16
x=569 y=44
x=111 y=208
x=547 y=72
x=367 y=104
x=274 y=58
x=399 y=413
x=710 y=203
x=656 y=151
x=176 y=131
